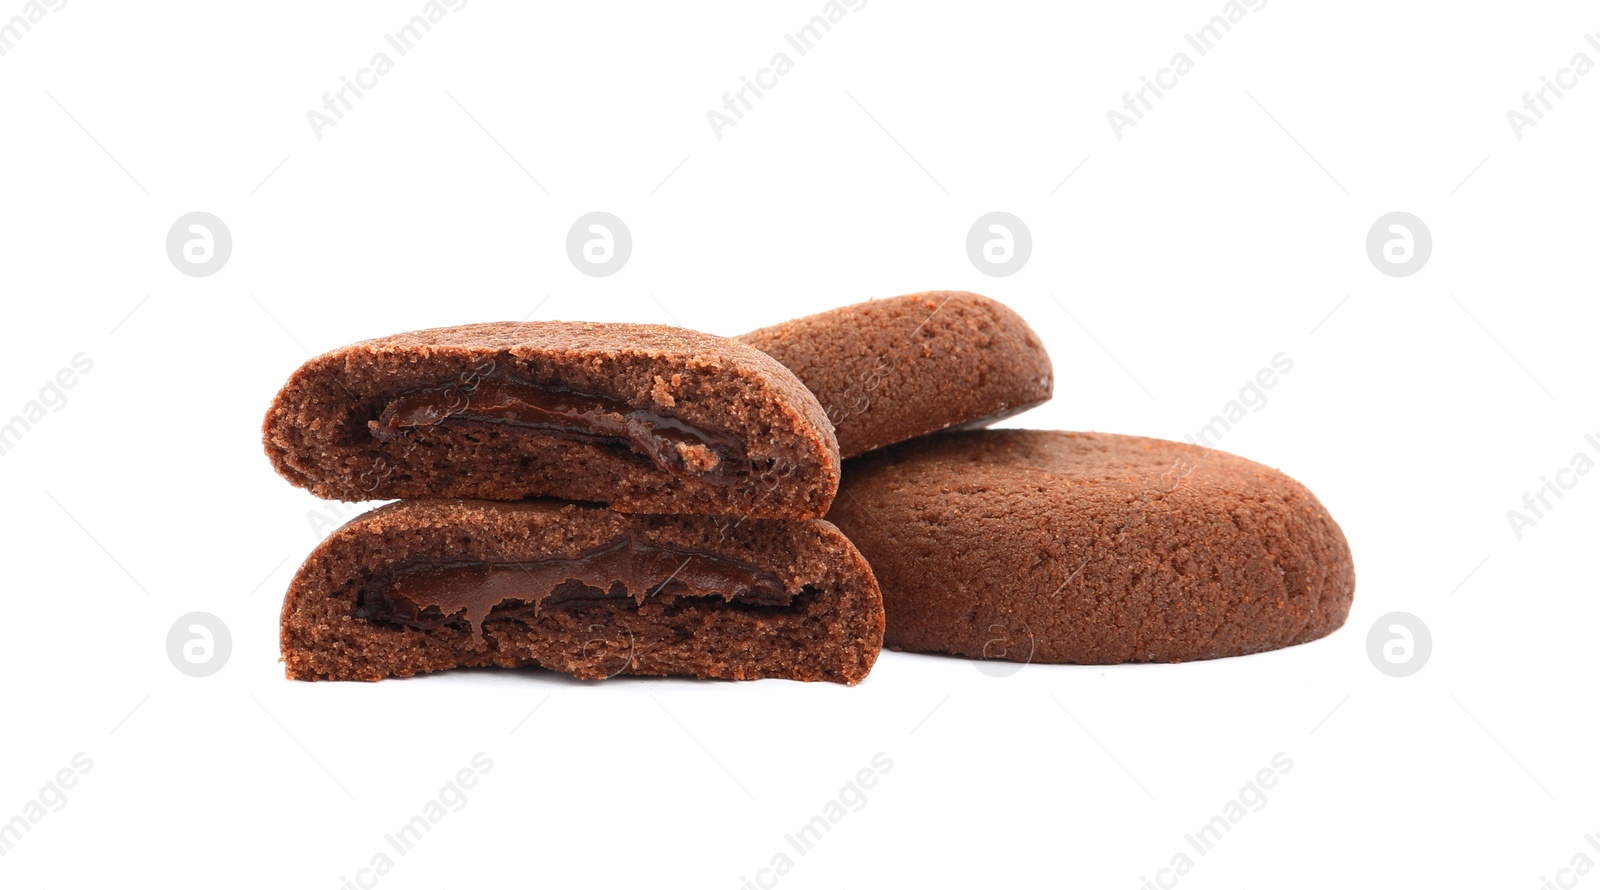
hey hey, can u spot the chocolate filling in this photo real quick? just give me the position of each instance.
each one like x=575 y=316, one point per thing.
x=429 y=595
x=559 y=412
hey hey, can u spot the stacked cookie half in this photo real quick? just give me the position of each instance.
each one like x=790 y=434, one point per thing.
x=604 y=498
x=597 y=499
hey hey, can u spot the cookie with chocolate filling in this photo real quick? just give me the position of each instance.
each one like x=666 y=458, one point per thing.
x=888 y=370
x=1091 y=548
x=422 y=586
x=645 y=418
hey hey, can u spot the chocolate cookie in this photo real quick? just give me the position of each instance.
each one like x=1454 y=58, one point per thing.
x=888 y=370
x=643 y=417
x=1091 y=548
x=427 y=585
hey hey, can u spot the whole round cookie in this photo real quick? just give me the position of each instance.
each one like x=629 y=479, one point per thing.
x=887 y=370
x=1091 y=548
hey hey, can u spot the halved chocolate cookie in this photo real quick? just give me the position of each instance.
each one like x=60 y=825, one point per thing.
x=888 y=370
x=427 y=585
x=1091 y=548
x=642 y=417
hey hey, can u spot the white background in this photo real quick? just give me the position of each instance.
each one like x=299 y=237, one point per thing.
x=1224 y=228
